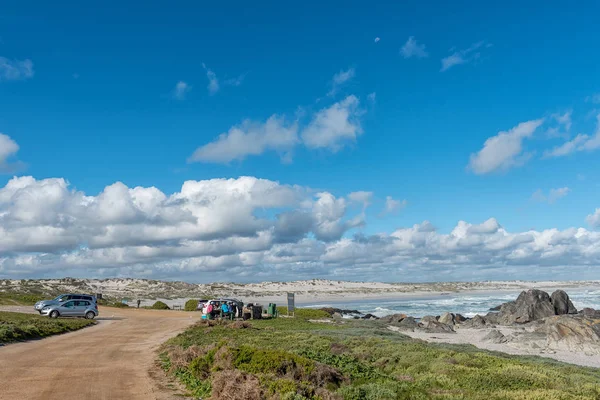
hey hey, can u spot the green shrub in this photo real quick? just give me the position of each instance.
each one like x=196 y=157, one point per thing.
x=304 y=313
x=191 y=305
x=17 y=326
x=159 y=305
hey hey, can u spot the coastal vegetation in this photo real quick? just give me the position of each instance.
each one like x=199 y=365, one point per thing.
x=314 y=357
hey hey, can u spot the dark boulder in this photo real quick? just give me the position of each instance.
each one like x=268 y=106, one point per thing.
x=497 y=308
x=370 y=316
x=476 y=322
x=459 y=318
x=562 y=304
x=531 y=305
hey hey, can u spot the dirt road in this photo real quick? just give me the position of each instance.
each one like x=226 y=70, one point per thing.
x=113 y=360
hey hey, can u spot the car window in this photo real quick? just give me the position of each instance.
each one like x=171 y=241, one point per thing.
x=64 y=298
x=77 y=297
x=69 y=304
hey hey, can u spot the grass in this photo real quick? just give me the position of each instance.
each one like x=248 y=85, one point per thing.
x=14 y=299
x=289 y=358
x=17 y=326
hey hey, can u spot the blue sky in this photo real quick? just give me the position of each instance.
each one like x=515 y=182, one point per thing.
x=390 y=99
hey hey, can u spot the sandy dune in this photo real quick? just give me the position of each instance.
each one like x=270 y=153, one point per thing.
x=113 y=360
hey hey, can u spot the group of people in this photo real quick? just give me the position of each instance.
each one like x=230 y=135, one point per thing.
x=220 y=309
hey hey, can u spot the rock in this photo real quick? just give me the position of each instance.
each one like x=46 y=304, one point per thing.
x=432 y=326
x=495 y=336
x=394 y=319
x=590 y=312
x=562 y=304
x=492 y=318
x=337 y=316
x=428 y=318
x=531 y=305
x=476 y=322
x=573 y=333
x=408 y=323
x=497 y=308
x=370 y=316
x=447 y=318
x=459 y=318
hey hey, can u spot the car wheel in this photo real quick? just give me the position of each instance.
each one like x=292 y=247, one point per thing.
x=90 y=315
x=54 y=314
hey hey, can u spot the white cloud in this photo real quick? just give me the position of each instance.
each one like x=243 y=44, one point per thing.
x=413 y=49
x=334 y=126
x=392 y=205
x=340 y=79
x=8 y=149
x=564 y=119
x=218 y=229
x=250 y=138
x=377 y=39
x=594 y=219
x=372 y=97
x=505 y=150
x=595 y=98
x=180 y=90
x=14 y=70
x=361 y=197
x=552 y=197
x=213 y=83
x=579 y=143
x=463 y=56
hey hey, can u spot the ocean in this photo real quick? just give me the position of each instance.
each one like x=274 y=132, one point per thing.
x=468 y=305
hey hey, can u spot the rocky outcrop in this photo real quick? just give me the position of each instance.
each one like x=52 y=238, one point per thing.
x=476 y=322
x=459 y=318
x=447 y=318
x=531 y=305
x=590 y=313
x=562 y=304
x=394 y=319
x=573 y=333
x=495 y=336
x=434 y=326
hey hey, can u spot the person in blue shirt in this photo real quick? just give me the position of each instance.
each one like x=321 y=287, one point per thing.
x=224 y=310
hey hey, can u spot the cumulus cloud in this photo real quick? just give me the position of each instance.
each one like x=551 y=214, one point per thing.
x=213 y=82
x=250 y=138
x=552 y=197
x=392 y=205
x=8 y=149
x=505 y=150
x=180 y=90
x=372 y=97
x=340 y=79
x=253 y=229
x=413 y=49
x=594 y=219
x=579 y=143
x=333 y=127
x=14 y=70
x=377 y=39
x=463 y=56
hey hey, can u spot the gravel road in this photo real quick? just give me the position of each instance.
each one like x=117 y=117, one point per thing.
x=112 y=360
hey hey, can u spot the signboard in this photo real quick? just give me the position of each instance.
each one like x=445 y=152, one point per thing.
x=291 y=305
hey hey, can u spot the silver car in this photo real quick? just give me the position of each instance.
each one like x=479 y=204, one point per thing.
x=72 y=308
x=61 y=299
